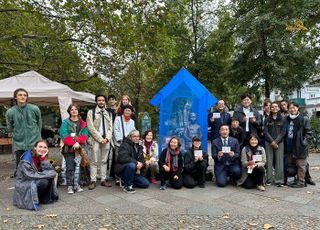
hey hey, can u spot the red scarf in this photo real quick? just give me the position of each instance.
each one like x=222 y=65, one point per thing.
x=148 y=146
x=126 y=118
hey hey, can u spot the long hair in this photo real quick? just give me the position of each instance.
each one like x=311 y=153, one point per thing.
x=35 y=145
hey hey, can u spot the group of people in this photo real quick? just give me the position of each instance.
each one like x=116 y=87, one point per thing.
x=245 y=147
x=254 y=150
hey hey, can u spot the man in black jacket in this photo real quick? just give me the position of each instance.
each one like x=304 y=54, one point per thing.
x=298 y=135
x=130 y=163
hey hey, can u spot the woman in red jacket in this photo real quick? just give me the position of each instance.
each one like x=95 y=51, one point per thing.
x=74 y=133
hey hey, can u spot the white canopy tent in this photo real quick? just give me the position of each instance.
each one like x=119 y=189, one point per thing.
x=43 y=92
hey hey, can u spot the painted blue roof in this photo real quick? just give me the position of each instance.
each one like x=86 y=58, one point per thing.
x=184 y=77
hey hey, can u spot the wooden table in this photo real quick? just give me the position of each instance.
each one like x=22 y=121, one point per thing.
x=5 y=141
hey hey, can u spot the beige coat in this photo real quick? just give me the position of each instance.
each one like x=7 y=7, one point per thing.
x=245 y=156
x=94 y=126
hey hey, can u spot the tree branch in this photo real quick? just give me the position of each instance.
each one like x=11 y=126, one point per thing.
x=80 y=81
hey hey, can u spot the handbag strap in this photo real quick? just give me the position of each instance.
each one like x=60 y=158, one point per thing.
x=122 y=125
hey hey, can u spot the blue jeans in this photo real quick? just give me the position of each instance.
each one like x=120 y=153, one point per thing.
x=130 y=177
x=223 y=171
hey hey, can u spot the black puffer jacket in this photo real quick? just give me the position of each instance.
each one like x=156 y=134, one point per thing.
x=129 y=152
x=302 y=135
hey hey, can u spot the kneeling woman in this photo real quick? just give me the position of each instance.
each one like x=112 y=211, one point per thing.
x=253 y=160
x=170 y=165
x=35 y=179
x=195 y=165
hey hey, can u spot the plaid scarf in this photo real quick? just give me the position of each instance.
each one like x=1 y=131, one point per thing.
x=174 y=154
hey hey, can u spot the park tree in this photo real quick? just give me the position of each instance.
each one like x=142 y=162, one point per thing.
x=277 y=43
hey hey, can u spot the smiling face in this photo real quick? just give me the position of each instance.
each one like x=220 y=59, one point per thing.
x=224 y=131
x=196 y=144
x=274 y=108
x=293 y=110
x=284 y=106
x=41 y=148
x=135 y=137
x=112 y=102
x=220 y=105
x=127 y=112
x=74 y=112
x=246 y=102
x=174 y=143
x=125 y=100
x=149 y=137
x=253 y=141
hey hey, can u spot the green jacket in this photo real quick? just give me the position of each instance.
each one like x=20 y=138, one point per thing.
x=25 y=125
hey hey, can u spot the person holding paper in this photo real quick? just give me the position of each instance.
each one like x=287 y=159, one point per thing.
x=275 y=129
x=216 y=118
x=226 y=155
x=195 y=165
x=250 y=119
x=253 y=160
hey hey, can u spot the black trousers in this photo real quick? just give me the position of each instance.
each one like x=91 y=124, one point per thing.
x=175 y=183
x=70 y=168
x=255 y=178
x=18 y=154
x=197 y=176
x=44 y=187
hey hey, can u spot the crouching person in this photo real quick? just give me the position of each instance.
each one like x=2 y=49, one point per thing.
x=35 y=179
x=195 y=165
x=130 y=163
x=171 y=165
x=253 y=160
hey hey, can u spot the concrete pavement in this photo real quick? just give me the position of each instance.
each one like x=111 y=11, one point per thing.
x=211 y=207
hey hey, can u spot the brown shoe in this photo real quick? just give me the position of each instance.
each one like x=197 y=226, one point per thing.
x=92 y=185
x=106 y=184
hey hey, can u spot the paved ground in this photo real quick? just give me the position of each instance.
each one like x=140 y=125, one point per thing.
x=208 y=208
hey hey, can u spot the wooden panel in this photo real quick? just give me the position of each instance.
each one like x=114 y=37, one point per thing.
x=6 y=141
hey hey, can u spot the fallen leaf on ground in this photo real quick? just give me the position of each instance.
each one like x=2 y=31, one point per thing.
x=106 y=225
x=275 y=199
x=91 y=219
x=40 y=226
x=51 y=215
x=11 y=188
x=309 y=192
x=182 y=221
x=103 y=229
x=252 y=224
x=19 y=222
x=65 y=227
x=267 y=226
x=315 y=168
x=226 y=217
x=8 y=209
x=198 y=217
x=5 y=221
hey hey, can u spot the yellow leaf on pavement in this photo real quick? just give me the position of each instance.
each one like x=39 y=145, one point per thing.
x=267 y=226
x=40 y=226
x=51 y=215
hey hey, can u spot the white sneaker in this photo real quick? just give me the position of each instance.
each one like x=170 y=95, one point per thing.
x=70 y=190
x=261 y=188
x=79 y=189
